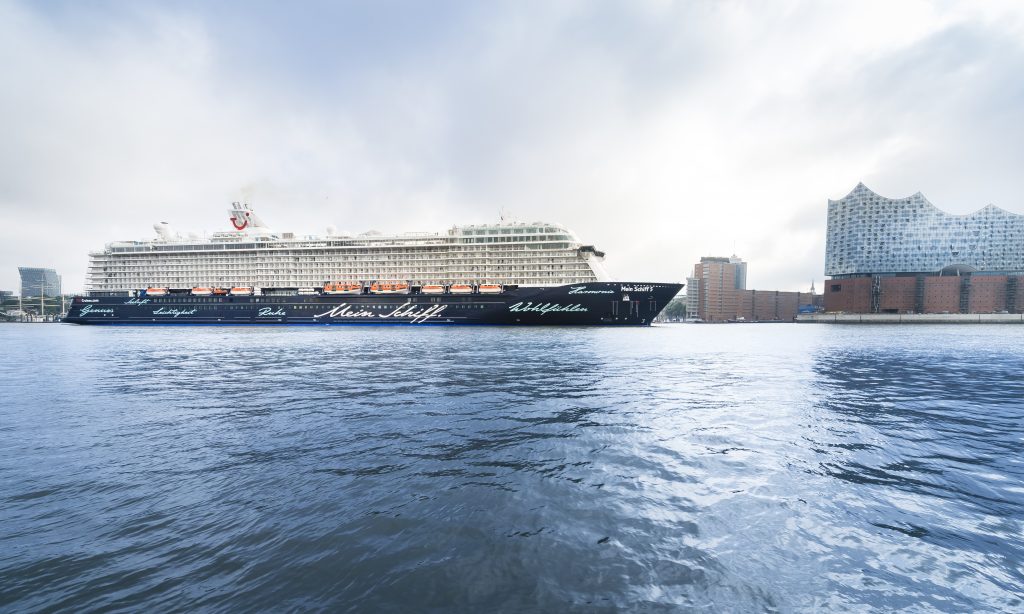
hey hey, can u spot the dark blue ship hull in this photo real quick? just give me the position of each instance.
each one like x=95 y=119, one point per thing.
x=603 y=304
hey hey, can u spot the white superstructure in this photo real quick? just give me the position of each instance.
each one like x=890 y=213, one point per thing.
x=252 y=255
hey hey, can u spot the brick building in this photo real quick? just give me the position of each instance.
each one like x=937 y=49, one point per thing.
x=771 y=305
x=712 y=292
x=717 y=293
x=905 y=255
x=964 y=293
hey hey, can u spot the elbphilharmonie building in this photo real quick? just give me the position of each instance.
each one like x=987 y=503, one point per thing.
x=901 y=255
x=869 y=234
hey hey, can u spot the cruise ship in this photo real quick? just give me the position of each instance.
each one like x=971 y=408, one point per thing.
x=502 y=273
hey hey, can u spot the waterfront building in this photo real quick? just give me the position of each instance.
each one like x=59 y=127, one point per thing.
x=37 y=282
x=772 y=305
x=905 y=255
x=711 y=292
x=717 y=293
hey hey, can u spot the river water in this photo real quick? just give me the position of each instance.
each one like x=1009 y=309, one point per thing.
x=756 y=467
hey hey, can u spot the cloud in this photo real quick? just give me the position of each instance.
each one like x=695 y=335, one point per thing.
x=658 y=131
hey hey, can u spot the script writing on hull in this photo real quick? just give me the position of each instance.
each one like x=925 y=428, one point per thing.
x=543 y=308
x=174 y=313
x=415 y=313
x=87 y=309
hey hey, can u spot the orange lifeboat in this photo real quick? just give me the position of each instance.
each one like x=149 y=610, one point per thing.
x=156 y=291
x=241 y=291
x=202 y=291
x=218 y=291
x=460 y=289
x=389 y=287
x=432 y=289
x=343 y=288
x=490 y=289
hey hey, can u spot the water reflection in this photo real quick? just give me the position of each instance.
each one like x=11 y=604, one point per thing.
x=925 y=436
x=739 y=468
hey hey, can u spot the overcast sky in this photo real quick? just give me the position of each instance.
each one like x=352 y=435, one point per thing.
x=658 y=131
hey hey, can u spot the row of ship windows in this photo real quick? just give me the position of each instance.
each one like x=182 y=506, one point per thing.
x=334 y=271
x=494 y=230
x=437 y=264
x=305 y=283
x=380 y=272
x=345 y=275
x=320 y=265
x=469 y=253
x=514 y=239
x=558 y=240
x=354 y=266
x=129 y=285
x=357 y=275
x=334 y=265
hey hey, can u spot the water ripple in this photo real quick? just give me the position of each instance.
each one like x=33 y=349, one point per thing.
x=722 y=468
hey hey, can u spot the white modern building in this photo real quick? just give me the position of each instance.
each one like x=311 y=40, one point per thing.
x=869 y=234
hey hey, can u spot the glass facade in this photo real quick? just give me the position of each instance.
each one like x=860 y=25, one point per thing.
x=871 y=234
x=39 y=282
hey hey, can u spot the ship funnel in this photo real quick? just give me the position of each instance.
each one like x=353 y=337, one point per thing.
x=244 y=219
